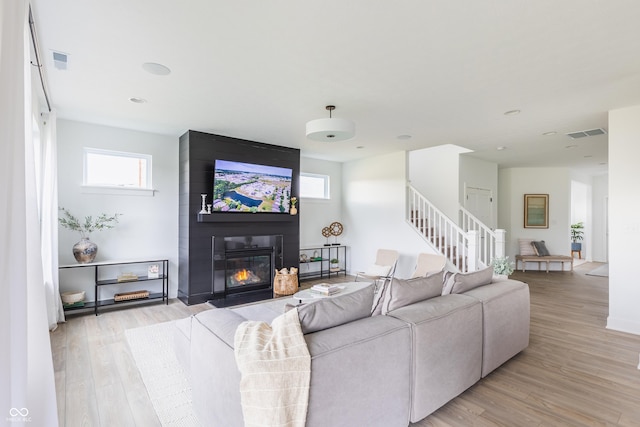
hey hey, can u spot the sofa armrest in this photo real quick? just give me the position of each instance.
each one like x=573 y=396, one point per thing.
x=220 y=322
x=505 y=318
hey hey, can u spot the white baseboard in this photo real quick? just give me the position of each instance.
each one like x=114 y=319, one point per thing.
x=623 y=325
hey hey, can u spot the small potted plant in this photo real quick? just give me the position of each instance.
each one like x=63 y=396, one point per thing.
x=577 y=234
x=335 y=264
x=85 y=251
x=502 y=267
x=293 y=210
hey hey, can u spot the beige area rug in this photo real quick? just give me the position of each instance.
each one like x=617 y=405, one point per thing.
x=602 y=271
x=166 y=382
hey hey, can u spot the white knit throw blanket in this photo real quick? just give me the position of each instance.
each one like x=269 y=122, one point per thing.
x=275 y=368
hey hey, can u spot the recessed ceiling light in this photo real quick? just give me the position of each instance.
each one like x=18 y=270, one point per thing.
x=157 y=69
x=512 y=112
x=404 y=137
x=551 y=133
x=602 y=163
x=588 y=156
x=500 y=148
x=137 y=100
x=571 y=146
x=360 y=147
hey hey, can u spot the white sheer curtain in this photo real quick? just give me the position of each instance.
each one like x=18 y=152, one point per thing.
x=47 y=182
x=27 y=386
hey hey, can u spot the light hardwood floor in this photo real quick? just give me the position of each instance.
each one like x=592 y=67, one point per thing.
x=574 y=372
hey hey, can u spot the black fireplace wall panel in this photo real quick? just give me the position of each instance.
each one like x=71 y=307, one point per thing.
x=198 y=152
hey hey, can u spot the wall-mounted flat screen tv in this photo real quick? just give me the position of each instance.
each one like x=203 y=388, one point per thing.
x=248 y=187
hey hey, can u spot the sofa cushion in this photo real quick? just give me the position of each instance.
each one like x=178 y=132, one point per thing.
x=463 y=282
x=404 y=292
x=525 y=247
x=329 y=312
x=378 y=298
x=540 y=248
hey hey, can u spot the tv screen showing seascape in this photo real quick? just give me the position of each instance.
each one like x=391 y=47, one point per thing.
x=247 y=187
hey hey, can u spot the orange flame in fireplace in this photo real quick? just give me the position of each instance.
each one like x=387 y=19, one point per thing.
x=241 y=275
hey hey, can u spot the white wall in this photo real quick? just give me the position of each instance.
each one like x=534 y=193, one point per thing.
x=600 y=230
x=148 y=227
x=624 y=228
x=315 y=214
x=434 y=173
x=514 y=183
x=479 y=174
x=374 y=212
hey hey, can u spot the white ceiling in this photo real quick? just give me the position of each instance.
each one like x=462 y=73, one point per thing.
x=442 y=71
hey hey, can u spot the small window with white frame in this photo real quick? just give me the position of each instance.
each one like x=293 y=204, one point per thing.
x=116 y=169
x=314 y=186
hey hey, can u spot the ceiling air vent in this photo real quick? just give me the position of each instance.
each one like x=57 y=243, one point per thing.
x=60 y=60
x=585 y=133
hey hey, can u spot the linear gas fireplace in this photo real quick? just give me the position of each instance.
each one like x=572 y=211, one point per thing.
x=244 y=266
x=248 y=269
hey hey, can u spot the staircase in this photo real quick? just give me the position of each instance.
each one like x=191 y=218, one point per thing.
x=467 y=248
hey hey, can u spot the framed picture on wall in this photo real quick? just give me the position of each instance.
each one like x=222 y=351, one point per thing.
x=536 y=211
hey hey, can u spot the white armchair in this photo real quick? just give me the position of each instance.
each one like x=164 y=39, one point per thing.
x=383 y=268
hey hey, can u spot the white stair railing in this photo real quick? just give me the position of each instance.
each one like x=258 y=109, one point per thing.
x=491 y=243
x=467 y=248
x=439 y=231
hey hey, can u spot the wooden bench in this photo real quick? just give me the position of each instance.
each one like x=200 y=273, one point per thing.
x=524 y=259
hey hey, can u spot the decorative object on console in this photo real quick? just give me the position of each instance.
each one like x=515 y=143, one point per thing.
x=336 y=230
x=326 y=232
x=127 y=277
x=335 y=264
x=85 y=251
x=126 y=296
x=331 y=129
x=153 y=271
x=72 y=297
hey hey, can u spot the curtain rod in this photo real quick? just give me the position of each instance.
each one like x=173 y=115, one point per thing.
x=38 y=64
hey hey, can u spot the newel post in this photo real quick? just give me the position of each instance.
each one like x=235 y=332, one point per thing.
x=501 y=242
x=472 y=247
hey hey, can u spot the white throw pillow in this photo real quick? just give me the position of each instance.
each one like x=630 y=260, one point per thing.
x=378 y=270
x=525 y=247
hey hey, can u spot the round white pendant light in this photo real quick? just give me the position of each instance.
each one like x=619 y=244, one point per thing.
x=330 y=129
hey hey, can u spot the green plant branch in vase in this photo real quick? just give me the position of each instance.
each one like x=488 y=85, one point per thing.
x=502 y=266
x=85 y=251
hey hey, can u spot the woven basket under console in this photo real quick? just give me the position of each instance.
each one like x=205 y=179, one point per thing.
x=285 y=284
x=125 y=296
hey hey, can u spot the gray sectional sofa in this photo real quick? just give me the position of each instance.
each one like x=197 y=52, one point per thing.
x=419 y=350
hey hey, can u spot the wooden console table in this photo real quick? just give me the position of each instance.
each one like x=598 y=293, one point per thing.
x=163 y=275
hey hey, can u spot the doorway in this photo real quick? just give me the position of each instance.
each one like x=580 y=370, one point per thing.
x=479 y=201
